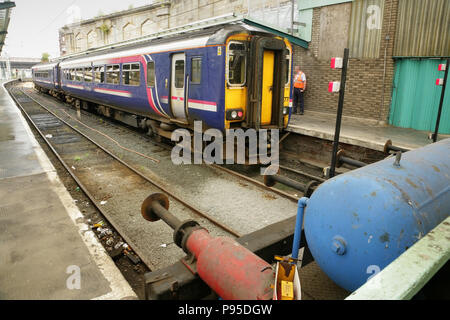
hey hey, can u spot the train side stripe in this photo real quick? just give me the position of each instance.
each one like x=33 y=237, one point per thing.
x=114 y=92
x=203 y=105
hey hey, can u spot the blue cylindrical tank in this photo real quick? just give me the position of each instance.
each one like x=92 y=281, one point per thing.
x=359 y=222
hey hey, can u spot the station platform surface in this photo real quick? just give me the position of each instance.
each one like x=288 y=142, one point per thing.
x=358 y=132
x=47 y=252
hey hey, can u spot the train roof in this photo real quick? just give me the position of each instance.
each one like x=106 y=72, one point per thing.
x=215 y=35
x=44 y=66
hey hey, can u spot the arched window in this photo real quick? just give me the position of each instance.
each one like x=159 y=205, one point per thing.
x=78 y=42
x=129 y=31
x=91 y=39
x=148 y=27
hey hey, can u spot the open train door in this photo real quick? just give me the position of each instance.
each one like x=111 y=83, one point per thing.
x=266 y=83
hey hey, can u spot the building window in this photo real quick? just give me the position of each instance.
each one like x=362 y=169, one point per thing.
x=196 y=70
x=237 y=62
x=150 y=74
x=113 y=74
x=179 y=74
x=131 y=74
x=99 y=74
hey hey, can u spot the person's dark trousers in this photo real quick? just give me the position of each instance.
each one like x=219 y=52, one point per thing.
x=299 y=103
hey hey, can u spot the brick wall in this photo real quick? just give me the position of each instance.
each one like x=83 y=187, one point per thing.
x=367 y=94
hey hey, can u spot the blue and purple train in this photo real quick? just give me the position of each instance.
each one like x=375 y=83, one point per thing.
x=232 y=76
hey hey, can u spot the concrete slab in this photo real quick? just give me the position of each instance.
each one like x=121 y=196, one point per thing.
x=46 y=251
x=359 y=132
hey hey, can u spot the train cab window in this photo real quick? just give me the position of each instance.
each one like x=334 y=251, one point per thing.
x=79 y=74
x=237 y=63
x=150 y=74
x=131 y=74
x=113 y=74
x=288 y=68
x=99 y=74
x=88 y=74
x=179 y=74
x=196 y=70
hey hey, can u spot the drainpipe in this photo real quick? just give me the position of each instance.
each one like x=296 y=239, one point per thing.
x=302 y=203
x=388 y=38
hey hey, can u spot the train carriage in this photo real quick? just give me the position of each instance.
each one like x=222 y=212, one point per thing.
x=233 y=76
x=45 y=76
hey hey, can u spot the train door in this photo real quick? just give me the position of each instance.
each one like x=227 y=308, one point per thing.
x=267 y=87
x=266 y=83
x=178 y=86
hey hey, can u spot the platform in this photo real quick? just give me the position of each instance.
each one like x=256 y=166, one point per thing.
x=359 y=132
x=46 y=249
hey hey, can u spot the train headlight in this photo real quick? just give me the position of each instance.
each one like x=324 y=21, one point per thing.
x=235 y=114
x=285 y=110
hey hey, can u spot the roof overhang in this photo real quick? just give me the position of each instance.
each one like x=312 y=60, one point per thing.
x=5 y=17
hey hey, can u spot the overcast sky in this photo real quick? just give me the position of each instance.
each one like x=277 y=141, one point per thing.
x=34 y=24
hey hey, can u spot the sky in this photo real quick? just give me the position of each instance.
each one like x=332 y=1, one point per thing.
x=34 y=24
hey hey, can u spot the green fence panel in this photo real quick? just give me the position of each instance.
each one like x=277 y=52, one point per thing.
x=415 y=97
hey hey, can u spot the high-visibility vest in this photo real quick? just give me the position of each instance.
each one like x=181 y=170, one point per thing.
x=298 y=82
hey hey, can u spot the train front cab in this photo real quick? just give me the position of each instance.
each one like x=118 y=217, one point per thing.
x=258 y=82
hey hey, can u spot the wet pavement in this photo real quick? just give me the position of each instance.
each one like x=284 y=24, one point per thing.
x=46 y=251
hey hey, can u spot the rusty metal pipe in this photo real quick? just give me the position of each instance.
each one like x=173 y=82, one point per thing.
x=165 y=215
x=341 y=159
x=389 y=147
x=353 y=162
x=271 y=179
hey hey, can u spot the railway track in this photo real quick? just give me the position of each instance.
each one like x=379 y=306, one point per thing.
x=71 y=147
x=117 y=188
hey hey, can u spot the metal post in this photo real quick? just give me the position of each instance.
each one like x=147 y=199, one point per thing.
x=339 y=114
x=435 y=136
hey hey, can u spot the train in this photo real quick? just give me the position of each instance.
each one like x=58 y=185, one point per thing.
x=229 y=77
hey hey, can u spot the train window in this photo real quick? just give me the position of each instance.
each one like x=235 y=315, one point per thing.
x=179 y=74
x=72 y=74
x=88 y=74
x=79 y=74
x=196 y=70
x=237 y=63
x=113 y=74
x=150 y=74
x=99 y=74
x=131 y=74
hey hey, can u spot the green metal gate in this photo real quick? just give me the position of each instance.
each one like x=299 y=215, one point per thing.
x=415 y=97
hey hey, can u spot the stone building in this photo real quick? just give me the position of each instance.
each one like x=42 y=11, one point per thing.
x=159 y=16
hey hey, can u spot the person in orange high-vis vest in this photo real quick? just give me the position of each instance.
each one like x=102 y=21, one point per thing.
x=299 y=89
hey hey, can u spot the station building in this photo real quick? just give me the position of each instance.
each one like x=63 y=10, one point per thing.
x=395 y=48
